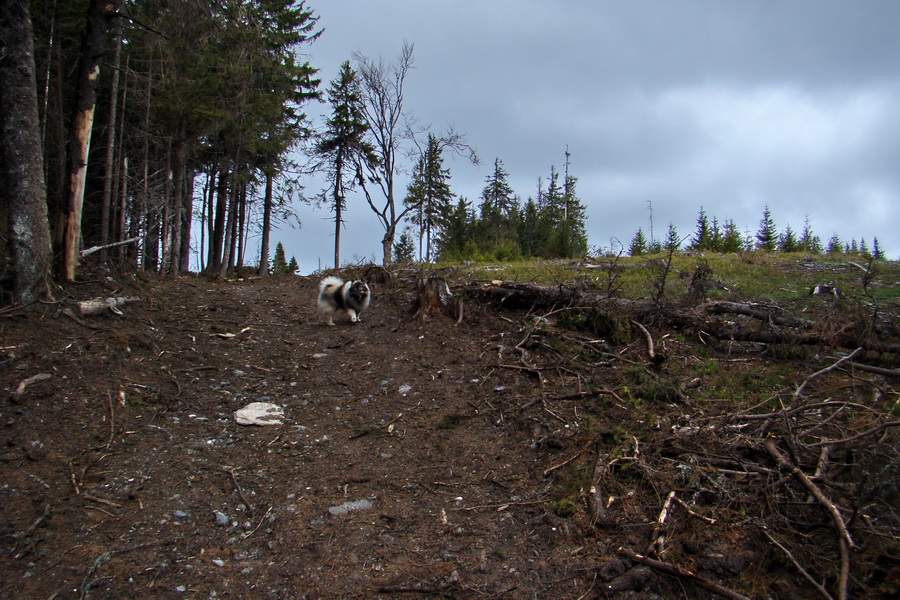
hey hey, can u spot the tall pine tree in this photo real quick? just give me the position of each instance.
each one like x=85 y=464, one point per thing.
x=343 y=145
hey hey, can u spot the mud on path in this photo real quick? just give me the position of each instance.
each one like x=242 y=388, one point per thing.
x=416 y=459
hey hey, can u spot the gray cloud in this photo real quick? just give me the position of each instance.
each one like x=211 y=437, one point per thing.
x=722 y=104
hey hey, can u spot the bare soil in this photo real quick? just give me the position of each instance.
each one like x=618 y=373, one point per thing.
x=416 y=459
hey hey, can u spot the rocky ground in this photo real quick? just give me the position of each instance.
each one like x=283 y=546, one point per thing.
x=416 y=458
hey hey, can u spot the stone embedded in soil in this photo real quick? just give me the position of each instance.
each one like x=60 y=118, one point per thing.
x=259 y=413
x=343 y=509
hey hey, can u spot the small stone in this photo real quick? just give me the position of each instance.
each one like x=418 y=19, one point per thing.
x=218 y=562
x=259 y=413
x=180 y=514
x=221 y=518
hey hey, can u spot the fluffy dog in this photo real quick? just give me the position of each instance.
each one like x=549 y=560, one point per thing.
x=352 y=297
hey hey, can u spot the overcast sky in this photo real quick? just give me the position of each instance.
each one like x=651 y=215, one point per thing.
x=725 y=104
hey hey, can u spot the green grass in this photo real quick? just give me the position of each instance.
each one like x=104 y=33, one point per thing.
x=752 y=276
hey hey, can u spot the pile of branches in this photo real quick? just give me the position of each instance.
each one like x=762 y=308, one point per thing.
x=811 y=489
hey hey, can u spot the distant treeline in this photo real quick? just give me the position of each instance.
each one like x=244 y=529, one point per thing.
x=710 y=235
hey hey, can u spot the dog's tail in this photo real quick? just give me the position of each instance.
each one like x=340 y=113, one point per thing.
x=330 y=283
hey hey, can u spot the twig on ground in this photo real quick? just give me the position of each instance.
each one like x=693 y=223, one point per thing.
x=230 y=471
x=799 y=567
x=803 y=385
x=670 y=569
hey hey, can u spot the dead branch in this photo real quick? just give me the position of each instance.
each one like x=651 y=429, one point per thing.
x=99 y=305
x=783 y=462
x=230 y=471
x=845 y=542
x=849 y=357
x=113 y=245
x=856 y=437
x=876 y=370
x=596 y=497
x=23 y=385
x=670 y=569
x=799 y=567
x=657 y=539
x=650 y=350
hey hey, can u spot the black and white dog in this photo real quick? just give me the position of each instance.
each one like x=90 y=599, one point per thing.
x=352 y=297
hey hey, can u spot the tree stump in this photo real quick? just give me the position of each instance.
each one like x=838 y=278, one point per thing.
x=433 y=297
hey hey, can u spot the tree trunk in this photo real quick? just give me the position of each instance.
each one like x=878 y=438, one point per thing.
x=109 y=180
x=80 y=140
x=187 y=218
x=21 y=162
x=266 y=227
x=217 y=243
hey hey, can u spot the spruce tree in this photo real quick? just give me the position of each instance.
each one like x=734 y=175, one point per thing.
x=767 y=234
x=498 y=210
x=835 y=246
x=787 y=242
x=638 y=246
x=700 y=241
x=404 y=249
x=731 y=238
x=673 y=241
x=428 y=195
x=343 y=145
x=279 y=264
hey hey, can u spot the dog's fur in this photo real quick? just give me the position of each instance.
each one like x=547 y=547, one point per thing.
x=353 y=297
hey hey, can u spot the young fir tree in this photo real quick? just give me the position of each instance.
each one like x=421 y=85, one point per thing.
x=672 y=241
x=805 y=243
x=279 y=263
x=572 y=235
x=876 y=249
x=767 y=234
x=456 y=233
x=498 y=210
x=428 y=195
x=701 y=238
x=343 y=145
x=404 y=249
x=293 y=266
x=638 y=246
x=787 y=242
x=835 y=246
x=529 y=229
x=731 y=238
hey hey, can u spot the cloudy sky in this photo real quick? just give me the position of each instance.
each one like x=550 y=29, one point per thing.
x=725 y=104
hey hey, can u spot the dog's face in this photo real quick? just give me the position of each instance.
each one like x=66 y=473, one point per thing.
x=359 y=291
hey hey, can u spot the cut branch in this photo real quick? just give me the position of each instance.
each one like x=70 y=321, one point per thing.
x=670 y=569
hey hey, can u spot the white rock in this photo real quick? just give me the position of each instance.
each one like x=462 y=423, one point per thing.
x=259 y=413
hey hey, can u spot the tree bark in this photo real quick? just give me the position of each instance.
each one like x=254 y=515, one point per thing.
x=109 y=171
x=21 y=162
x=80 y=141
x=266 y=227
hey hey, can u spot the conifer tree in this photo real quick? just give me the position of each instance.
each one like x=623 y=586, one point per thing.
x=498 y=210
x=279 y=264
x=876 y=250
x=787 y=242
x=404 y=249
x=835 y=246
x=731 y=238
x=428 y=195
x=638 y=246
x=700 y=241
x=343 y=145
x=672 y=241
x=767 y=234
